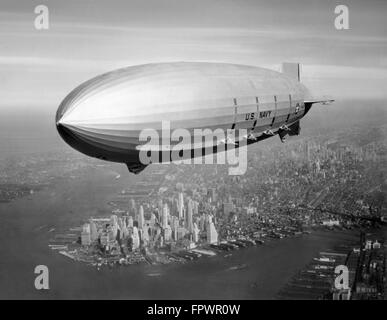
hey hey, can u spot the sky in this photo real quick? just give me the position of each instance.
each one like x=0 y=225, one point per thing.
x=86 y=38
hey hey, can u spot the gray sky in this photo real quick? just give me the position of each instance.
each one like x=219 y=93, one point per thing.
x=86 y=38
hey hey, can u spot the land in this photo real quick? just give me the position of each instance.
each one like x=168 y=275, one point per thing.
x=324 y=187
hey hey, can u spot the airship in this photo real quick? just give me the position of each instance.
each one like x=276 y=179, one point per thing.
x=104 y=116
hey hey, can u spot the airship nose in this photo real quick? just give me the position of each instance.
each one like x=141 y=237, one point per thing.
x=73 y=138
x=79 y=124
x=62 y=130
x=68 y=131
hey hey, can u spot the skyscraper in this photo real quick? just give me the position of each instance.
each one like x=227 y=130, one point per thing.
x=93 y=230
x=212 y=234
x=317 y=166
x=196 y=207
x=114 y=225
x=152 y=220
x=85 y=235
x=165 y=216
x=202 y=222
x=181 y=206
x=145 y=233
x=160 y=208
x=124 y=232
x=104 y=239
x=189 y=219
x=141 y=219
x=135 y=238
x=196 y=231
x=130 y=222
x=175 y=227
x=167 y=234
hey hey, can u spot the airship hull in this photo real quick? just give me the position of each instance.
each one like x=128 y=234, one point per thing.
x=104 y=116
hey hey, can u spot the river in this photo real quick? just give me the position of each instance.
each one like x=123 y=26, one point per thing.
x=24 y=225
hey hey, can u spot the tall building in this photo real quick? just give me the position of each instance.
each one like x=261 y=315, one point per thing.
x=317 y=166
x=124 y=232
x=93 y=230
x=145 y=233
x=165 y=216
x=104 y=239
x=167 y=234
x=212 y=234
x=141 y=219
x=112 y=233
x=130 y=222
x=160 y=209
x=196 y=232
x=308 y=152
x=181 y=205
x=189 y=218
x=121 y=222
x=202 y=222
x=175 y=227
x=196 y=207
x=85 y=235
x=135 y=238
x=152 y=220
x=114 y=225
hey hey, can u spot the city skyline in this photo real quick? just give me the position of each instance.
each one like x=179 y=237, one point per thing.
x=309 y=203
x=46 y=197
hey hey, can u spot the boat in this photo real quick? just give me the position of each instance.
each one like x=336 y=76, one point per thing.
x=238 y=267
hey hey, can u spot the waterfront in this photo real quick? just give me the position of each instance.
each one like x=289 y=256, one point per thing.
x=61 y=191
x=269 y=267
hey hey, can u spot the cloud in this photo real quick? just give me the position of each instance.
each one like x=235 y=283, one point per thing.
x=344 y=72
x=36 y=65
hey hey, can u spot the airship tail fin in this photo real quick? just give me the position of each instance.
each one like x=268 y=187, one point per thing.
x=291 y=69
x=321 y=100
x=310 y=102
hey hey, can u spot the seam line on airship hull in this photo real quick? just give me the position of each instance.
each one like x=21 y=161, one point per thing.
x=190 y=114
x=205 y=71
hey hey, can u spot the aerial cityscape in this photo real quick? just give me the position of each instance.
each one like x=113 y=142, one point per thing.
x=178 y=214
x=193 y=158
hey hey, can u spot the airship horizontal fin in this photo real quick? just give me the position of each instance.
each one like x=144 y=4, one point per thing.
x=322 y=101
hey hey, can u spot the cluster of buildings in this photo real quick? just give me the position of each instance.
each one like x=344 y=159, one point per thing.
x=24 y=174
x=346 y=272
x=366 y=265
x=177 y=223
x=286 y=190
x=276 y=197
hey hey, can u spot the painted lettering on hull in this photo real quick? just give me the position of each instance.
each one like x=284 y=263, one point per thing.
x=265 y=114
x=256 y=115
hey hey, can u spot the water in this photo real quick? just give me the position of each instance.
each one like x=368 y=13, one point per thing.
x=24 y=244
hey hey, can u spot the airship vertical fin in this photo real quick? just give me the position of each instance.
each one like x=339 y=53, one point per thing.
x=291 y=69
